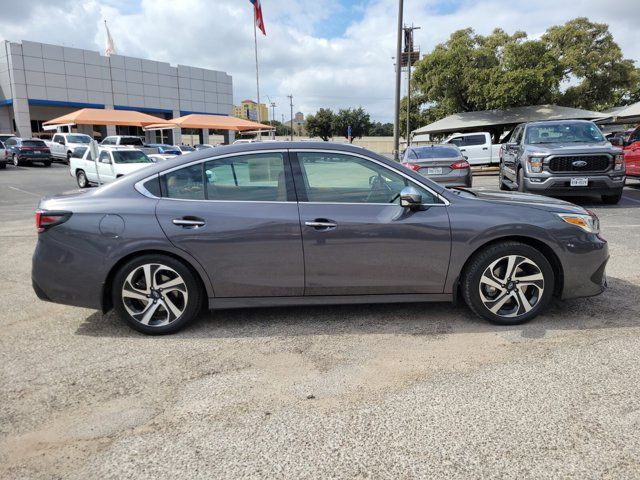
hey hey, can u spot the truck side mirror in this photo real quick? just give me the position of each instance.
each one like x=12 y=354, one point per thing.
x=617 y=141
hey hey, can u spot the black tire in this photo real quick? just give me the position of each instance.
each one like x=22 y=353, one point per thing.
x=3 y=165
x=481 y=261
x=68 y=158
x=501 y=184
x=521 y=180
x=81 y=179
x=47 y=163
x=189 y=305
x=16 y=161
x=612 y=199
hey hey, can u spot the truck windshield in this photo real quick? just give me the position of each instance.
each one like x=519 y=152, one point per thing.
x=130 y=156
x=563 y=133
x=135 y=141
x=78 y=139
x=434 y=152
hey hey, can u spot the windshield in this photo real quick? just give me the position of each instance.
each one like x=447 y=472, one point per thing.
x=33 y=143
x=130 y=156
x=131 y=141
x=78 y=139
x=569 y=132
x=187 y=148
x=434 y=152
x=78 y=152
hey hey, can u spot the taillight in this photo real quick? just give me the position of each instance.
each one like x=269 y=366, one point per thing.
x=460 y=165
x=46 y=220
x=412 y=166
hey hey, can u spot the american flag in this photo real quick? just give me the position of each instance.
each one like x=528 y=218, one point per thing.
x=257 y=10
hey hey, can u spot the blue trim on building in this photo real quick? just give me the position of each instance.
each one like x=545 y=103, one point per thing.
x=56 y=103
x=143 y=109
x=188 y=112
x=7 y=101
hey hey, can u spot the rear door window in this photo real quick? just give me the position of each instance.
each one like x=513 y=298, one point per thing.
x=472 y=140
x=184 y=184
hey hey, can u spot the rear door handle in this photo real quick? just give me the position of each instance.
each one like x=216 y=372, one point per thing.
x=321 y=224
x=189 y=222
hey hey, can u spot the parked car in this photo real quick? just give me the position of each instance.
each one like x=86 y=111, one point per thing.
x=5 y=136
x=160 y=157
x=444 y=164
x=562 y=157
x=4 y=156
x=301 y=223
x=165 y=149
x=112 y=163
x=120 y=140
x=63 y=144
x=203 y=146
x=25 y=151
x=184 y=148
x=631 y=145
x=477 y=147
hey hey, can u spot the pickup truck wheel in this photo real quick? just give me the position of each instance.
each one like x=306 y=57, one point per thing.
x=501 y=184
x=612 y=199
x=81 y=178
x=521 y=180
x=508 y=283
x=68 y=160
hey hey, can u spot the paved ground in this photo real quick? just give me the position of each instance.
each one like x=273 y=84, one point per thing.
x=391 y=391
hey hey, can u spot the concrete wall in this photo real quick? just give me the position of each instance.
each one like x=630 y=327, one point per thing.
x=38 y=74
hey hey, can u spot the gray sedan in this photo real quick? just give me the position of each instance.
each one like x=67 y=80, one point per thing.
x=444 y=164
x=301 y=223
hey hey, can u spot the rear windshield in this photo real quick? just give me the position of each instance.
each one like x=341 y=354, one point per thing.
x=130 y=156
x=33 y=143
x=78 y=138
x=563 y=132
x=435 y=152
x=78 y=152
x=187 y=149
x=131 y=141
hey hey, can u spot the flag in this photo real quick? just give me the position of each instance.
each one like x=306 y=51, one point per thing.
x=257 y=14
x=110 y=48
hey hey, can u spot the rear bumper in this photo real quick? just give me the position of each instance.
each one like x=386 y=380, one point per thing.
x=561 y=184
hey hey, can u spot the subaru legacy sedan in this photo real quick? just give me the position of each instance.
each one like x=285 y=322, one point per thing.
x=302 y=223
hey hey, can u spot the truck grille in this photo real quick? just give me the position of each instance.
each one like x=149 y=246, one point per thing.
x=595 y=163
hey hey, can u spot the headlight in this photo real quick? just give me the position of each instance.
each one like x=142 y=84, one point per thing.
x=618 y=164
x=588 y=223
x=535 y=164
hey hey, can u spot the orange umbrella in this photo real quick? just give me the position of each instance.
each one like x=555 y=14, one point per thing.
x=100 y=116
x=213 y=122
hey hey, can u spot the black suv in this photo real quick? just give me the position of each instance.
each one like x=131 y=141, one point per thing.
x=562 y=157
x=28 y=150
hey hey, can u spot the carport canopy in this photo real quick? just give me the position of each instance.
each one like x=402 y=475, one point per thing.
x=467 y=121
x=101 y=116
x=621 y=115
x=212 y=122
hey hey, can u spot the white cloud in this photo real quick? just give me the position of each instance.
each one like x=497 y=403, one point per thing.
x=349 y=70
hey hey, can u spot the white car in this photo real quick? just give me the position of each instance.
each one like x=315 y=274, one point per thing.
x=112 y=163
x=63 y=144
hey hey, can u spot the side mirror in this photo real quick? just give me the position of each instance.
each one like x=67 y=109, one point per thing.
x=617 y=141
x=410 y=197
x=511 y=145
x=61 y=142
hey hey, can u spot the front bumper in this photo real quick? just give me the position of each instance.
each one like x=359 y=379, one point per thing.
x=602 y=184
x=584 y=263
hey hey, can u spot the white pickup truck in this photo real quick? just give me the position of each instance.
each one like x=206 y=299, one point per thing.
x=477 y=147
x=62 y=145
x=112 y=163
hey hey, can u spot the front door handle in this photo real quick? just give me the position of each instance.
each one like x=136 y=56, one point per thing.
x=321 y=224
x=189 y=222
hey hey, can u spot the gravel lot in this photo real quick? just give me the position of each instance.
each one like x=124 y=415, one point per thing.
x=384 y=391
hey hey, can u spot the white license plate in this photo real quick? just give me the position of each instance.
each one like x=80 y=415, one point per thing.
x=579 y=182
x=434 y=171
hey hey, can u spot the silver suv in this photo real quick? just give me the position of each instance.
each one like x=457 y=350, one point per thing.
x=564 y=157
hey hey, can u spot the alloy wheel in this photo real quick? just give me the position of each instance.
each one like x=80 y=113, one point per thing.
x=154 y=294
x=511 y=286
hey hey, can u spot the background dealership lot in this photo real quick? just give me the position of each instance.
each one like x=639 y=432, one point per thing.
x=343 y=391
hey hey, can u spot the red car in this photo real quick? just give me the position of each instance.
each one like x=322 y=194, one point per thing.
x=631 y=147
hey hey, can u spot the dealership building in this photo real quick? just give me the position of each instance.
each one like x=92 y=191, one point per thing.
x=39 y=82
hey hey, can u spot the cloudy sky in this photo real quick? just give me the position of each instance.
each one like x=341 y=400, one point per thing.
x=334 y=53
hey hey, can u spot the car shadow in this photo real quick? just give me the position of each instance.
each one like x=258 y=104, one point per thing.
x=616 y=308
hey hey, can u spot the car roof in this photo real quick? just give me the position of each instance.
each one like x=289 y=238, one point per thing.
x=556 y=122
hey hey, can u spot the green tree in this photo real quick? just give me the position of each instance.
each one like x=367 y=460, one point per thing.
x=379 y=129
x=357 y=118
x=320 y=124
x=577 y=64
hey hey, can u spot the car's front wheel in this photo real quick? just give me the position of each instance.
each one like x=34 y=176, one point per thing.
x=156 y=294
x=508 y=283
x=612 y=199
x=81 y=178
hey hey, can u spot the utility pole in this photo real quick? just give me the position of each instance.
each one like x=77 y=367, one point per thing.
x=290 y=97
x=411 y=57
x=396 y=116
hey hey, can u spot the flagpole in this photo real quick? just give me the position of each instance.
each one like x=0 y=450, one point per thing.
x=255 y=45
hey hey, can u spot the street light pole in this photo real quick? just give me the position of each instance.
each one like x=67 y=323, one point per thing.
x=396 y=117
x=290 y=97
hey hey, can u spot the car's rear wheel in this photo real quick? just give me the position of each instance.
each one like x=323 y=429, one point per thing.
x=156 y=294
x=612 y=199
x=81 y=178
x=508 y=283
